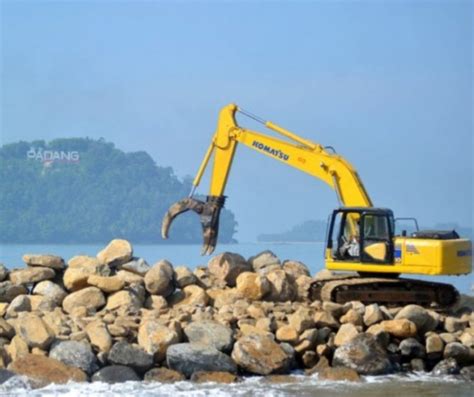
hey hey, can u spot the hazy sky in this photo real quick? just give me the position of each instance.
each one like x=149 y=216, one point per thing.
x=388 y=84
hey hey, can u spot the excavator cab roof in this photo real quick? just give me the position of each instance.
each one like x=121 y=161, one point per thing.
x=369 y=210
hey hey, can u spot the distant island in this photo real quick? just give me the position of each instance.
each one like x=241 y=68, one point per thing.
x=315 y=231
x=311 y=230
x=81 y=190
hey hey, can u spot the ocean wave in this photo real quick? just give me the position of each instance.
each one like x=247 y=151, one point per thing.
x=311 y=386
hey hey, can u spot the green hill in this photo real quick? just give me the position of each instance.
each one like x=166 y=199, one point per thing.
x=81 y=190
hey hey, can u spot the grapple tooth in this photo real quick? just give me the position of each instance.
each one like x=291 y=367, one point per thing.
x=208 y=212
x=175 y=210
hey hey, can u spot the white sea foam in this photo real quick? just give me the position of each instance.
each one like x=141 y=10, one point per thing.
x=302 y=386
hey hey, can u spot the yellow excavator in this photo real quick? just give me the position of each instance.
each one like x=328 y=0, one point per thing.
x=361 y=238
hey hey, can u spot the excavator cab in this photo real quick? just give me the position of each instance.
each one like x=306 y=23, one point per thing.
x=361 y=235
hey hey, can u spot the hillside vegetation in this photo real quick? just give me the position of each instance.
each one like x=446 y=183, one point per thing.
x=82 y=190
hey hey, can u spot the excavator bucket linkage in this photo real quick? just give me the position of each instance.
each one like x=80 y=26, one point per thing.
x=208 y=211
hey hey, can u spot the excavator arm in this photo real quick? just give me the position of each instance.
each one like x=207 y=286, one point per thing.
x=297 y=152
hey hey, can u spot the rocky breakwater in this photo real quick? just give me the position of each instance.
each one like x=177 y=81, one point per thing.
x=115 y=318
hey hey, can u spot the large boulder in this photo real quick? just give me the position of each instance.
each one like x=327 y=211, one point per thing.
x=227 y=267
x=124 y=302
x=191 y=295
x=17 y=348
x=459 y=352
x=252 y=285
x=213 y=376
x=163 y=375
x=33 y=330
x=21 y=303
x=3 y=272
x=188 y=358
x=155 y=338
x=9 y=291
x=345 y=334
x=261 y=355
x=31 y=275
x=295 y=269
x=90 y=298
x=210 y=333
x=51 y=290
x=434 y=346
x=79 y=269
x=115 y=374
x=136 y=265
x=52 y=261
x=282 y=288
x=99 y=336
x=421 y=317
x=372 y=315
x=401 y=328
x=184 y=276
x=106 y=284
x=45 y=370
x=159 y=279
x=116 y=253
x=411 y=348
x=6 y=329
x=75 y=354
x=363 y=354
x=448 y=366
x=124 y=353
x=264 y=261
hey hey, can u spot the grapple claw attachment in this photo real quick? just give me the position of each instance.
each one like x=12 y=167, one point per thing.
x=208 y=212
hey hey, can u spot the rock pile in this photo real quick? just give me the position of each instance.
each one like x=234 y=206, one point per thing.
x=114 y=318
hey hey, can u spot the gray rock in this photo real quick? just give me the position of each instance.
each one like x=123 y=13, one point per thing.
x=410 y=347
x=115 y=374
x=9 y=291
x=3 y=272
x=184 y=276
x=261 y=355
x=210 y=333
x=446 y=367
x=467 y=373
x=264 y=261
x=21 y=303
x=123 y=353
x=163 y=375
x=188 y=358
x=423 y=320
x=51 y=290
x=159 y=280
x=51 y=261
x=364 y=355
x=5 y=375
x=453 y=324
x=137 y=266
x=417 y=364
x=75 y=354
x=457 y=351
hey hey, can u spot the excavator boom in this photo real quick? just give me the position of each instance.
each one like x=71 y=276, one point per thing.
x=297 y=152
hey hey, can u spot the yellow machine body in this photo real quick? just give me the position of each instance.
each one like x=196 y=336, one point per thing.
x=416 y=256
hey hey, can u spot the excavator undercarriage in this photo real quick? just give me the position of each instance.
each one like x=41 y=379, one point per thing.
x=384 y=291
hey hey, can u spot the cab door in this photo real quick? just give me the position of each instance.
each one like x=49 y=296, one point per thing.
x=376 y=238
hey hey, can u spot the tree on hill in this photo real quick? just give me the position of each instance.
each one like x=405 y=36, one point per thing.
x=82 y=190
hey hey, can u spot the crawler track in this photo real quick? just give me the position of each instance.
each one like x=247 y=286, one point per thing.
x=386 y=291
